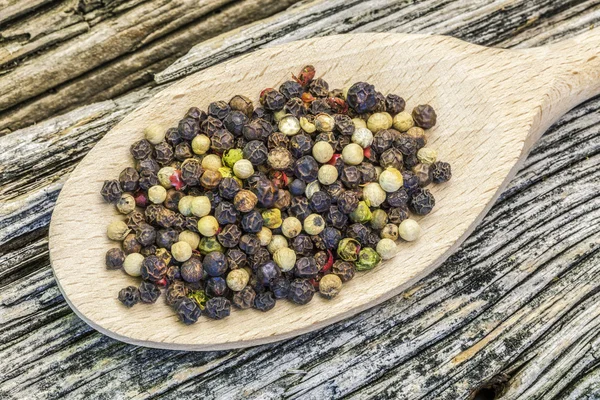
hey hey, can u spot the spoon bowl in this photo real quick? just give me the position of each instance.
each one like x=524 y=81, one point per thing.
x=492 y=105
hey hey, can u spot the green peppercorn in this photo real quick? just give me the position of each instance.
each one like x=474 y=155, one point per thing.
x=348 y=249
x=367 y=259
x=362 y=213
x=211 y=244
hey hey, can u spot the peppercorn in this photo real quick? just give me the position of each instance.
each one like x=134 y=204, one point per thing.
x=244 y=299
x=353 y=154
x=302 y=245
x=392 y=157
x=344 y=125
x=241 y=103
x=172 y=200
x=314 y=224
x=348 y=249
x=272 y=100
x=175 y=292
x=219 y=109
x=255 y=152
x=394 y=104
x=327 y=174
x=424 y=116
x=153 y=269
x=348 y=201
x=398 y=214
x=216 y=287
x=418 y=134
x=209 y=126
x=330 y=286
x=406 y=144
x=299 y=208
x=403 y=121
x=253 y=130
x=236 y=258
x=149 y=164
x=344 y=270
x=367 y=259
x=141 y=149
x=235 y=121
x=361 y=97
x=245 y=201
x=441 y=172
x=411 y=182
x=148 y=250
x=382 y=140
x=129 y=296
x=295 y=107
x=183 y=151
x=114 y=258
x=229 y=236
x=379 y=219
x=267 y=272
x=306 y=168
x=164 y=153
x=157 y=194
x=173 y=137
x=264 y=301
x=249 y=244
x=210 y=179
x=225 y=213
x=301 y=291
x=221 y=141
x=260 y=112
x=397 y=198
x=187 y=310
x=252 y=222
x=209 y=244
x=350 y=176
x=279 y=158
x=145 y=234
x=188 y=128
x=111 y=191
x=300 y=145
x=166 y=237
x=128 y=179
x=297 y=187
x=334 y=190
x=379 y=121
x=191 y=270
x=422 y=202
x=423 y=172
x=280 y=287
x=318 y=87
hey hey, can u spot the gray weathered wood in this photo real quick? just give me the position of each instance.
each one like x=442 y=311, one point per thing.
x=520 y=298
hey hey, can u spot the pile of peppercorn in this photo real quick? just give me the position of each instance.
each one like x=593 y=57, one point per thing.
x=246 y=205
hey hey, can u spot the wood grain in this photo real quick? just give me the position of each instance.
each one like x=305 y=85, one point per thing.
x=49 y=353
x=496 y=120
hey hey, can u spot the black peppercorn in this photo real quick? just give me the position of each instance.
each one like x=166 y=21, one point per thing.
x=318 y=87
x=331 y=237
x=188 y=128
x=361 y=97
x=215 y=263
x=398 y=198
x=260 y=257
x=422 y=202
x=336 y=218
x=249 y=244
x=236 y=259
x=284 y=199
x=301 y=291
x=165 y=218
x=229 y=236
x=280 y=287
x=173 y=273
x=164 y=153
x=372 y=240
x=256 y=152
x=129 y=296
x=219 y=109
x=297 y=187
x=260 y=112
x=166 y=237
x=173 y=137
x=350 y=176
x=272 y=100
x=306 y=168
x=128 y=178
x=348 y=202
x=145 y=234
x=344 y=125
x=382 y=141
x=172 y=200
x=153 y=269
x=335 y=190
x=277 y=139
x=225 y=213
x=368 y=173
x=344 y=270
x=228 y=188
x=135 y=218
x=306 y=267
x=392 y=157
x=141 y=149
x=244 y=299
x=411 y=182
x=216 y=287
x=149 y=292
x=394 y=104
x=243 y=104
x=111 y=191
x=253 y=130
x=211 y=125
x=398 y=214
x=328 y=137
x=299 y=208
x=235 y=121
x=359 y=232
x=291 y=89
x=218 y=308
x=147 y=179
x=302 y=245
x=221 y=141
x=264 y=301
x=424 y=116
x=295 y=107
x=300 y=145
x=148 y=250
x=114 y=258
x=149 y=164
x=252 y=222
x=267 y=272
x=441 y=172
x=183 y=151
x=319 y=106
x=406 y=144
x=191 y=270
x=320 y=202
x=187 y=310
x=195 y=113
x=175 y=292
x=342 y=142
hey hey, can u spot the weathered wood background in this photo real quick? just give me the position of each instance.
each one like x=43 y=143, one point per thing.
x=515 y=311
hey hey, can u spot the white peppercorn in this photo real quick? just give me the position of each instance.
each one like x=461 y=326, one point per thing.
x=327 y=174
x=181 y=251
x=211 y=162
x=330 y=286
x=374 y=194
x=164 y=176
x=409 y=230
x=191 y=238
x=379 y=121
x=322 y=152
x=390 y=231
x=307 y=126
x=427 y=155
x=285 y=258
x=133 y=264
x=265 y=235
x=359 y=123
x=126 y=203
x=199 y=206
x=200 y=144
x=289 y=125
x=324 y=122
x=117 y=230
x=237 y=279
x=362 y=137
x=277 y=242
x=291 y=227
x=208 y=226
x=157 y=194
x=386 y=248
x=154 y=133
x=403 y=121
x=243 y=169
x=185 y=205
x=311 y=189
x=390 y=180
x=353 y=154
x=314 y=224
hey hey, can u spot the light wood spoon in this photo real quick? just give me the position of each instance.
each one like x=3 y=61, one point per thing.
x=492 y=105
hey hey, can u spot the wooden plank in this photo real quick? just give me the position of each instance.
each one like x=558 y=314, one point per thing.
x=527 y=253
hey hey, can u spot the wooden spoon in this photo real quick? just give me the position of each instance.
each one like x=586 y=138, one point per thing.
x=492 y=105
